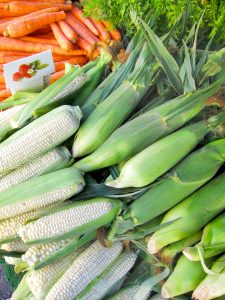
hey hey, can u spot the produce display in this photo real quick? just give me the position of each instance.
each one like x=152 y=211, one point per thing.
x=112 y=182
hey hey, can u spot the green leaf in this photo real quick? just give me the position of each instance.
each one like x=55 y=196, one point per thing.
x=42 y=66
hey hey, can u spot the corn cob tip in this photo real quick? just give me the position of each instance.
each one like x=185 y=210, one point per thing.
x=201 y=293
x=152 y=247
x=188 y=252
x=78 y=112
x=165 y=293
x=119 y=183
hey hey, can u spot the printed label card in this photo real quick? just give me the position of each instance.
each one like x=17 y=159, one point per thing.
x=28 y=73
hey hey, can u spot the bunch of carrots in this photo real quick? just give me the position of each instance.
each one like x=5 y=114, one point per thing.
x=32 y=26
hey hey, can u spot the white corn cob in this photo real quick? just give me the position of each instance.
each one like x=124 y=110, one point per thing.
x=51 y=161
x=12 y=260
x=65 y=220
x=39 y=137
x=127 y=293
x=18 y=246
x=41 y=281
x=39 y=252
x=6 y=115
x=90 y=264
x=117 y=271
x=39 y=192
x=117 y=286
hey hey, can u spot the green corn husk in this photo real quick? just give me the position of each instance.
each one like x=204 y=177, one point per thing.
x=212 y=242
x=39 y=137
x=213 y=285
x=18 y=99
x=168 y=254
x=155 y=160
x=120 y=103
x=22 y=291
x=179 y=183
x=128 y=293
x=191 y=214
x=94 y=76
x=40 y=192
x=144 y=130
x=71 y=221
x=53 y=160
x=185 y=277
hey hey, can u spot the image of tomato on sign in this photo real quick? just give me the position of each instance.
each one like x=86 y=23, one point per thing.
x=28 y=73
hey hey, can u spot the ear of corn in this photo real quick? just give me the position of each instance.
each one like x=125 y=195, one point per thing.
x=212 y=242
x=94 y=76
x=6 y=115
x=109 y=278
x=53 y=91
x=185 y=277
x=72 y=221
x=39 y=137
x=191 y=214
x=40 y=192
x=17 y=246
x=158 y=158
x=168 y=254
x=53 y=160
x=140 y=132
x=127 y=293
x=37 y=253
x=40 y=282
x=213 y=285
x=120 y=103
x=179 y=183
x=90 y=264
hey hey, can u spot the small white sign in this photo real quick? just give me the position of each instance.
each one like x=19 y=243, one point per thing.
x=28 y=73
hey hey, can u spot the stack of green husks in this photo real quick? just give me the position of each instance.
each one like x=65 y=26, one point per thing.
x=155 y=226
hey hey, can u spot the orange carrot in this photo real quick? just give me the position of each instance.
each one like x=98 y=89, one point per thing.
x=81 y=29
x=14 y=53
x=3 y=20
x=9 y=44
x=62 y=40
x=78 y=60
x=4 y=6
x=2 y=86
x=24 y=27
x=6 y=1
x=68 y=31
x=17 y=8
x=77 y=12
x=2 y=79
x=39 y=40
x=115 y=34
x=3 y=26
x=49 y=35
x=104 y=35
x=56 y=76
x=49 y=1
x=87 y=47
x=7 y=59
x=1 y=67
x=5 y=93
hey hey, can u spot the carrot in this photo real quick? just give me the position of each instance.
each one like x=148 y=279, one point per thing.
x=115 y=34
x=3 y=26
x=87 y=47
x=62 y=40
x=6 y=1
x=18 y=8
x=9 y=44
x=4 y=20
x=77 y=12
x=48 y=1
x=2 y=79
x=24 y=27
x=39 y=40
x=104 y=35
x=7 y=59
x=81 y=29
x=4 y=6
x=78 y=60
x=57 y=57
x=68 y=31
x=49 y=35
x=5 y=93
x=2 y=86
x=14 y=53
x=56 y=76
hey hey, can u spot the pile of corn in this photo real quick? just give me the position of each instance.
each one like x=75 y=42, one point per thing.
x=108 y=201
